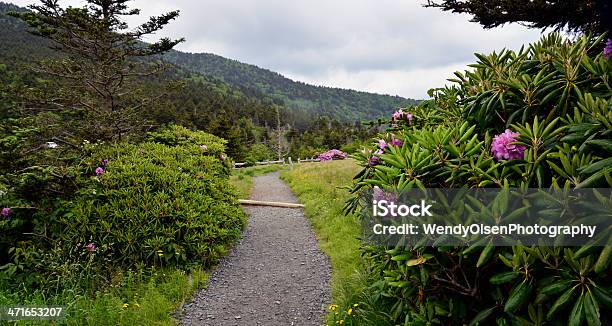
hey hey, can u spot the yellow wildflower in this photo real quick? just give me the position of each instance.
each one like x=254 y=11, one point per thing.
x=137 y=305
x=350 y=311
x=125 y=305
x=356 y=305
x=333 y=307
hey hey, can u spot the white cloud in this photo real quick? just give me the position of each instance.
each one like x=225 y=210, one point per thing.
x=415 y=81
x=387 y=46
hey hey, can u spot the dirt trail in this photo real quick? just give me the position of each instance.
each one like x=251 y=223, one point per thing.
x=276 y=275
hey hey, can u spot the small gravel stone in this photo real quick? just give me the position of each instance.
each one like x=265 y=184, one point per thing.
x=269 y=262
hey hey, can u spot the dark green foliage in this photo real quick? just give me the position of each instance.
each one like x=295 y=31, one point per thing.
x=258 y=153
x=448 y=145
x=201 y=102
x=575 y=15
x=165 y=202
x=305 y=100
x=156 y=205
x=546 y=79
x=325 y=134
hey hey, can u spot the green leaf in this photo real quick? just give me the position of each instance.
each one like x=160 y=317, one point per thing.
x=416 y=261
x=597 y=166
x=399 y=284
x=577 y=313
x=400 y=257
x=602 y=297
x=604 y=260
x=560 y=302
x=485 y=255
x=600 y=145
x=591 y=310
x=584 y=251
x=482 y=316
x=594 y=179
x=503 y=278
x=556 y=287
x=518 y=296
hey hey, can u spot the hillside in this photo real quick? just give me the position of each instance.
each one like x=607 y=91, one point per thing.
x=339 y=103
x=203 y=102
x=302 y=99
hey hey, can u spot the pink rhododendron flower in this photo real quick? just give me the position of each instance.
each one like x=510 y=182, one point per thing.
x=608 y=49
x=374 y=159
x=400 y=115
x=222 y=157
x=105 y=162
x=503 y=146
x=382 y=144
x=99 y=170
x=379 y=194
x=333 y=154
x=396 y=141
x=91 y=247
x=6 y=212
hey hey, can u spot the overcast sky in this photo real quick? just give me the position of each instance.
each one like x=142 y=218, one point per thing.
x=386 y=46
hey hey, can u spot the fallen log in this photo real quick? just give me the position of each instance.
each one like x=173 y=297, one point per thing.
x=269 y=203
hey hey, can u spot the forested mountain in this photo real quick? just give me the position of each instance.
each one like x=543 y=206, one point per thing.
x=195 y=101
x=239 y=102
x=303 y=99
x=339 y=103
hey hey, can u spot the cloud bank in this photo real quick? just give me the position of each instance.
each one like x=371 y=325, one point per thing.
x=385 y=46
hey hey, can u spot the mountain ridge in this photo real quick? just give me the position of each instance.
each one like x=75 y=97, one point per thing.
x=304 y=100
x=340 y=103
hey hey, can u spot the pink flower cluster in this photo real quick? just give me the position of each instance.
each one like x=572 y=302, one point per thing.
x=91 y=247
x=6 y=212
x=503 y=146
x=100 y=169
x=401 y=115
x=333 y=154
x=608 y=49
x=379 y=194
x=382 y=145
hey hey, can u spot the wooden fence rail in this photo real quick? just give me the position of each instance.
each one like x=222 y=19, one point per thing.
x=283 y=161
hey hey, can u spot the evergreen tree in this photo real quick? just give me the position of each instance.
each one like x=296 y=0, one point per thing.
x=575 y=15
x=96 y=77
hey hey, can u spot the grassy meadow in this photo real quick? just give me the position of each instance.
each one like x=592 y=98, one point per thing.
x=320 y=187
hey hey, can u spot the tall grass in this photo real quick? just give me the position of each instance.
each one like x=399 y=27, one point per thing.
x=136 y=299
x=320 y=187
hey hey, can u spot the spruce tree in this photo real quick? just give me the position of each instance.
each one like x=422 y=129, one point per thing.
x=100 y=63
x=574 y=15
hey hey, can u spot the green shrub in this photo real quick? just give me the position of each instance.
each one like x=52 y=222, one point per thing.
x=162 y=203
x=448 y=144
x=258 y=153
x=180 y=136
x=353 y=147
x=156 y=205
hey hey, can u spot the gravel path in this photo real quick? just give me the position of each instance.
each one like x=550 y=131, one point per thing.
x=276 y=275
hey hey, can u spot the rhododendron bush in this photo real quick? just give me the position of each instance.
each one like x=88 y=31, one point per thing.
x=163 y=202
x=538 y=118
x=333 y=154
